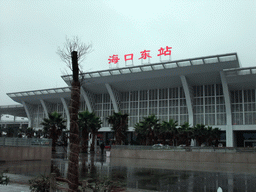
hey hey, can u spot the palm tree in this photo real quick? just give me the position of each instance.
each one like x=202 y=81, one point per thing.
x=119 y=124
x=200 y=133
x=84 y=125
x=169 y=131
x=185 y=134
x=53 y=127
x=151 y=127
x=21 y=132
x=29 y=132
x=39 y=133
x=10 y=132
x=213 y=135
x=141 y=130
x=152 y=124
x=95 y=125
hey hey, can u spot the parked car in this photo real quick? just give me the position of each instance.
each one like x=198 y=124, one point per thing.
x=40 y=142
x=45 y=142
x=35 y=142
x=158 y=146
x=59 y=143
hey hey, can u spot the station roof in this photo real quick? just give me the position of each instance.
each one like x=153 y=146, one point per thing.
x=201 y=70
x=16 y=110
x=33 y=97
x=241 y=78
x=198 y=71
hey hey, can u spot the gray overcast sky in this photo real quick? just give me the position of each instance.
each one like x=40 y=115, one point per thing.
x=31 y=31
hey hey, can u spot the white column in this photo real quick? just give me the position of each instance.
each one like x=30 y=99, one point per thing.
x=101 y=112
x=204 y=103
x=138 y=109
x=65 y=105
x=86 y=98
x=157 y=103
x=147 y=103
x=129 y=112
x=168 y=101
x=113 y=98
x=189 y=99
x=28 y=109
x=179 y=105
x=229 y=129
x=45 y=108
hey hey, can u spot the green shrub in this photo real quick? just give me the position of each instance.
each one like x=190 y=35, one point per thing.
x=40 y=184
x=4 y=180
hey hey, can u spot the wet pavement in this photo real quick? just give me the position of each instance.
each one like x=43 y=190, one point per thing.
x=142 y=174
x=166 y=175
x=18 y=183
x=14 y=187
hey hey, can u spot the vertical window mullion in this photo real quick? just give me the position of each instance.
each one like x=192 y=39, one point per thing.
x=147 y=102
x=129 y=106
x=37 y=116
x=168 y=104
x=179 y=90
x=243 y=107
x=138 y=116
x=215 y=104
x=101 y=114
x=157 y=103
x=204 y=105
x=110 y=107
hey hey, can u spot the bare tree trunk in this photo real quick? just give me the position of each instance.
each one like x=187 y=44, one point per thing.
x=54 y=137
x=74 y=128
x=118 y=136
x=84 y=141
x=93 y=141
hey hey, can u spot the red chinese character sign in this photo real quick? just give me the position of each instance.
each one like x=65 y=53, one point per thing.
x=145 y=55
x=128 y=58
x=113 y=59
x=165 y=52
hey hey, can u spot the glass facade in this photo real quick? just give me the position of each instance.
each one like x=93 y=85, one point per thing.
x=167 y=103
x=243 y=107
x=170 y=103
x=39 y=114
x=209 y=105
x=103 y=108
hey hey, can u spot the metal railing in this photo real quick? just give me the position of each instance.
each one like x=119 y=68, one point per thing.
x=187 y=149
x=158 y=66
x=13 y=122
x=6 y=141
x=11 y=106
x=40 y=92
x=240 y=71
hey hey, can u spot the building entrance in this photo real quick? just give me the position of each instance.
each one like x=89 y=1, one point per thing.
x=245 y=138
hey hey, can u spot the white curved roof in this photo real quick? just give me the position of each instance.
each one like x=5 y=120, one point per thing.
x=198 y=71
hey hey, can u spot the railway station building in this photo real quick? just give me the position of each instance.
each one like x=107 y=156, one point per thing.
x=213 y=90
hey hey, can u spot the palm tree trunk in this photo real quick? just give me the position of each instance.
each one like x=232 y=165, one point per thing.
x=93 y=142
x=54 y=137
x=84 y=141
x=150 y=137
x=74 y=128
x=118 y=136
